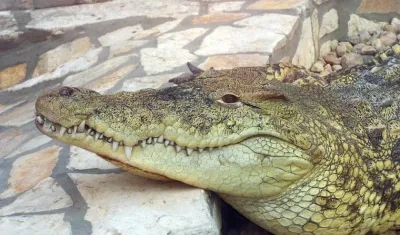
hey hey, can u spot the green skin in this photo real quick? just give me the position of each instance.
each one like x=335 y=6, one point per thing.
x=291 y=155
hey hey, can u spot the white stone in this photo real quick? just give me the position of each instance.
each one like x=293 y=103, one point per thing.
x=139 y=83
x=123 y=203
x=319 y=2
x=157 y=60
x=305 y=53
x=88 y=75
x=125 y=46
x=31 y=144
x=35 y=225
x=8 y=26
x=230 y=40
x=119 y=35
x=330 y=23
x=179 y=39
x=277 y=23
x=159 y=29
x=82 y=159
x=80 y=64
x=5 y=108
x=225 y=6
x=357 y=24
x=315 y=28
x=78 y=15
x=325 y=48
x=45 y=196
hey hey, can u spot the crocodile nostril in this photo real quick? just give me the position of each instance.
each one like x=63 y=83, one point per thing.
x=66 y=91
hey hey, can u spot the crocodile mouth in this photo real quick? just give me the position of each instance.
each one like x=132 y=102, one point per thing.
x=58 y=131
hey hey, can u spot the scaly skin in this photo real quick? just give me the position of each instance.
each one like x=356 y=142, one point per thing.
x=294 y=153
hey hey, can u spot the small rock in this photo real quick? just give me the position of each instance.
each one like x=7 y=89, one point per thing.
x=368 y=59
x=364 y=36
x=390 y=28
x=388 y=38
x=336 y=67
x=398 y=36
x=317 y=67
x=331 y=58
x=341 y=50
x=368 y=50
x=328 y=68
x=322 y=60
x=395 y=21
x=325 y=48
x=351 y=59
x=377 y=44
x=334 y=45
x=354 y=39
x=357 y=48
x=349 y=47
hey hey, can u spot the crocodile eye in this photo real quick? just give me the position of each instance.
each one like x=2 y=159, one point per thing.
x=230 y=98
x=66 y=91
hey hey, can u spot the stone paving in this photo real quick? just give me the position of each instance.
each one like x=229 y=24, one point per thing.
x=123 y=45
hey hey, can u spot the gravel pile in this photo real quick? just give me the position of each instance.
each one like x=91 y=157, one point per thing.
x=357 y=49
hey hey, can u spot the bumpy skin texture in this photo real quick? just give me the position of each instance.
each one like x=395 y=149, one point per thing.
x=294 y=153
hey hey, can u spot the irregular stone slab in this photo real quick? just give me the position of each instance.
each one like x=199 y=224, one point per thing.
x=16 y=5
x=179 y=39
x=10 y=139
x=139 y=83
x=98 y=71
x=159 y=29
x=51 y=60
x=35 y=224
x=45 y=196
x=305 y=53
x=77 y=65
x=12 y=75
x=125 y=46
x=74 y=16
x=8 y=26
x=357 y=24
x=379 y=6
x=105 y=83
x=218 y=17
x=31 y=144
x=119 y=35
x=82 y=159
x=157 y=60
x=225 y=6
x=236 y=60
x=29 y=170
x=230 y=40
x=145 y=206
x=330 y=23
x=277 y=23
x=19 y=116
x=4 y=108
x=273 y=4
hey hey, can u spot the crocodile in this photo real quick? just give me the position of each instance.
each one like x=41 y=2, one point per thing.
x=293 y=152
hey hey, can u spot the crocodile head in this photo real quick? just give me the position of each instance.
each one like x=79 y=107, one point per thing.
x=274 y=150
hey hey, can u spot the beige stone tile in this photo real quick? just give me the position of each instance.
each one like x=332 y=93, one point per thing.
x=82 y=159
x=19 y=115
x=27 y=171
x=236 y=60
x=51 y=60
x=139 y=83
x=274 y=4
x=105 y=83
x=31 y=144
x=159 y=29
x=125 y=46
x=218 y=17
x=225 y=6
x=12 y=75
x=119 y=35
x=179 y=39
x=45 y=196
x=379 y=6
x=10 y=139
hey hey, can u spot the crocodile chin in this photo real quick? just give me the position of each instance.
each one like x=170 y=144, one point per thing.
x=162 y=159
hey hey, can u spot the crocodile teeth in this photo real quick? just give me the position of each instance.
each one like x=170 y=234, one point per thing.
x=115 y=145
x=69 y=130
x=160 y=139
x=149 y=140
x=143 y=144
x=81 y=127
x=178 y=148
x=75 y=129
x=189 y=151
x=172 y=143
x=109 y=140
x=166 y=142
x=53 y=128
x=62 y=130
x=128 y=152
x=39 y=119
x=101 y=137
x=211 y=148
x=91 y=132
x=96 y=136
x=201 y=150
x=155 y=139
